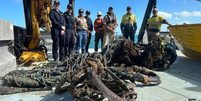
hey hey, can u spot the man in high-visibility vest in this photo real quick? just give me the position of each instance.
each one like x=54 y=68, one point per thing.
x=154 y=25
x=128 y=25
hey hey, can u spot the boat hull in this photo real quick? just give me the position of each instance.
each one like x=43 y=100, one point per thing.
x=188 y=39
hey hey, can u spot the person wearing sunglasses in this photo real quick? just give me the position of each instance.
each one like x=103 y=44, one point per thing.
x=70 y=33
x=128 y=25
x=154 y=25
x=90 y=29
x=57 y=32
x=81 y=29
x=110 y=22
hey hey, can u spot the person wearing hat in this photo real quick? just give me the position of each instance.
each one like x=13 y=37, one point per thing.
x=57 y=31
x=70 y=33
x=81 y=29
x=99 y=28
x=154 y=25
x=128 y=25
x=110 y=22
x=90 y=29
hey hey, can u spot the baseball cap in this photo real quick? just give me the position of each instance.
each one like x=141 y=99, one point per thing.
x=69 y=6
x=56 y=2
x=110 y=8
x=129 y=7
x=87 y=12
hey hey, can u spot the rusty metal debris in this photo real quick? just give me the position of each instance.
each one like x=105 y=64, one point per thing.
x=110 y=74
x=157 y=55
x=94 y=81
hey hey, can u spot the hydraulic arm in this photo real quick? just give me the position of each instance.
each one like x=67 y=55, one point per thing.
x=36 y=17
x=150 y=6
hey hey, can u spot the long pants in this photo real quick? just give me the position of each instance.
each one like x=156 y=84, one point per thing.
x=108 y=35
x=88 y=42
x=69 y=41
x=58 y=42
x=81 y=39
x=152 y=35
x=98 y=36
x=129 y=33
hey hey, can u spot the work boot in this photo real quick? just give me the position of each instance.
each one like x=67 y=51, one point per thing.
x=66 y=58
x=61 y=60
x=55 y=60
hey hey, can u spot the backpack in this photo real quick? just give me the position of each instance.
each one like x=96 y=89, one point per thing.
x=111 y=20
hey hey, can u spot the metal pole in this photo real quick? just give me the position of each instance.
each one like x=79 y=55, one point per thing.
x=151 y=4
x=72 y=2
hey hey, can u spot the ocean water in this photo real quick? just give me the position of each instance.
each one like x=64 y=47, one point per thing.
x=92 y=42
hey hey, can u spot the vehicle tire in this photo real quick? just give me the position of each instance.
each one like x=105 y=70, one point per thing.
x=170 y=50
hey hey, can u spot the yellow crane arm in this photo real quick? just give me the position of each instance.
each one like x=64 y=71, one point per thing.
x=37 y=16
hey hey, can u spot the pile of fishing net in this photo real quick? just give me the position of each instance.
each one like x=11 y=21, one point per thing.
x=110 y=74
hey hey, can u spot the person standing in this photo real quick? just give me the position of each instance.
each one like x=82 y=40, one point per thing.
x=99 y=28
x=154 y=25
x=70 y=33
x=128 y=25
x=57 y=31
x=90 y=29
x=110 y=22
x=81 y=29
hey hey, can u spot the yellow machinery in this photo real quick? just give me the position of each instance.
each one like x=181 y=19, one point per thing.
x=36 y=16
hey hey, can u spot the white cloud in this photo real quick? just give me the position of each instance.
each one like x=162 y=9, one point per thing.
x=176 y=18
x=187 y=14
x=184 y=1
x=182 y=22
x=164 y=14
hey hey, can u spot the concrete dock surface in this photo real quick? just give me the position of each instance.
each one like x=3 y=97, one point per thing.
x=181 y=82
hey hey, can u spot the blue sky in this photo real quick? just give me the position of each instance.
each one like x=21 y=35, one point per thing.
x=175 y=11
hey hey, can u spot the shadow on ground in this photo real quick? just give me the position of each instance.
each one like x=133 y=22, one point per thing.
x=60 y=97
x=188 y=70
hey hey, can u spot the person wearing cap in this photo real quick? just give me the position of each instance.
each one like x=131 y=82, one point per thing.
x=90 y=29
x=81 y=29
x=99 y=28
x=154 y=25
x=110 y=22
x=128 y=25
x=70 y=33
x=57 y=31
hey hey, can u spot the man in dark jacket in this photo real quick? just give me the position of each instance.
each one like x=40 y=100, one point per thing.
x=70 y=33
x=90 y=29
x=57 y=31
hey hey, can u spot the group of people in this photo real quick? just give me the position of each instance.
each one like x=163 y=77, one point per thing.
x=65 y=28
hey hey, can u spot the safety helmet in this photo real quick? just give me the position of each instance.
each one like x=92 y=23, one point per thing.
x=99 y=13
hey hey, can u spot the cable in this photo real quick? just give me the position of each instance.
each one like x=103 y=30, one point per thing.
x=135 y=11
